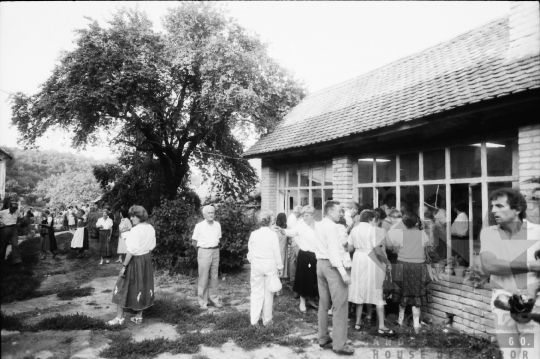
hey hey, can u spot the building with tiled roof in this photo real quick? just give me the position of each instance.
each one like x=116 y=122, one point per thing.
x=444 y=126
x=4 y=156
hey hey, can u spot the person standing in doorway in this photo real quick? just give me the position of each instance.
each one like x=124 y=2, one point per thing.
x=206 y=237
x=292 y=221
x=333 y=281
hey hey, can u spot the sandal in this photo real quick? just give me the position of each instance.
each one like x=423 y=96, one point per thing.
x=357 y=327
x=136 y=320
x=385 y=331
x=347 y=350
x=116 y=321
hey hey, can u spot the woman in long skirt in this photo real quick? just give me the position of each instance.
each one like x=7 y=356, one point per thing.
x=368 y=269
x=48 y=240
x=80 y=238
x=71 y=218
x=305 y=283
x=411 y=276
x=104 y=224
x=135 y=286
x=124 y=228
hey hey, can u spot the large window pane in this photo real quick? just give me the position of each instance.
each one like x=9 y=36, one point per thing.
x=499 y=158
x=293 y=178
x=386 y=169
x=365 y=170
x=434 y=165
x=465 y=161
x=304 y=197
x=365 y=196
x=410 y=199
x=408 y=167
x=304 y=177
x=316 y=177
x=281 y=182
x=317 y=203
x=387 y=197
x=293 y=199
x=328 y=175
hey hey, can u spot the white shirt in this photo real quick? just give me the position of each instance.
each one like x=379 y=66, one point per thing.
x=292 y=221
x=264 y=244
x=460 y=225
x=493 y=239
x=305 y=236
x=207 y=235
x=7 y=218
x=106 y=224
x=141 y=239
x=328 y=245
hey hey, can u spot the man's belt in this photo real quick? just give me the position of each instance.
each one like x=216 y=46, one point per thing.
x=209 y=247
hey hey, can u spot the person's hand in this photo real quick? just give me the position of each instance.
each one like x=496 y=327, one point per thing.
x=346 y=278
x=280 y=272
x=123 y=272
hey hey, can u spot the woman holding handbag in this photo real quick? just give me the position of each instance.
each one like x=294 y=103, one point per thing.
x=368 y=269
x=266 y=264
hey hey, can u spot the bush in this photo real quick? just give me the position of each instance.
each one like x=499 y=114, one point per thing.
x=174 y=222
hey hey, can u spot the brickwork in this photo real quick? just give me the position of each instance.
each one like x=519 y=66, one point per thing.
x=524 y=30
x=343 y=180
x=470 y=307
x=268 y=186
x=529 y=167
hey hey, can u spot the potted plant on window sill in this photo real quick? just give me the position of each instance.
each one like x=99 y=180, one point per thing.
x=459 y=268
x=450 y=262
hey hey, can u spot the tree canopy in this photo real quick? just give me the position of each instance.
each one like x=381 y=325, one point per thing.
x=181 y=96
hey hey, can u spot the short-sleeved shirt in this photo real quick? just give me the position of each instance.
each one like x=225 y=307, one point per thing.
x=207 y=235
x=411 y=242
x=7 y=218
x=494 y=240
x=106 y=224
x=141 y=239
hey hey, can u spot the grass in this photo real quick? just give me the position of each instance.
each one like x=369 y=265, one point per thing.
x=59 y=323
x=70 y=293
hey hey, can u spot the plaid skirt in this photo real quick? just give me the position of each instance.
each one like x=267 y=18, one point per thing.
x=411 y=284
x=136 y=289
x=104 y=240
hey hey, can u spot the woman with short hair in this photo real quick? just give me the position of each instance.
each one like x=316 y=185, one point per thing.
x=265 y=258
x=104 y=225
x=135 y=287
x=80 y=238
x=411 y=275
x=368 y=269
x=48 y=239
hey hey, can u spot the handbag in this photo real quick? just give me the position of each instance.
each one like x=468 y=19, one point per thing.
x=275 y=284
x=388 y=285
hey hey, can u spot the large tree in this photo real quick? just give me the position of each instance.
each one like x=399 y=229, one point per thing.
x=182 y=95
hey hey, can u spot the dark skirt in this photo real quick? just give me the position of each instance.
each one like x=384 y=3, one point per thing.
x=305 y=282
x=411 y=284
x=48 y=243
x=136 y=289
x=104 y=240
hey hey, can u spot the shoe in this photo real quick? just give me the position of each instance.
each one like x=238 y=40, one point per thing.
x=116 y=321
x=302 y=308
x=107 y=261
x=358 y=327
x=330 y=312
x=136 y=320
x=326 y=343
x=101 y=263
x=347 y=350
x=385 y=331
x=204 y=307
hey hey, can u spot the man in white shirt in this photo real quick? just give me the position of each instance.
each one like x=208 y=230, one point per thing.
x=206 y=237
x=292 y=220
x=508 y=255
x=333 y=281
x=8 y=230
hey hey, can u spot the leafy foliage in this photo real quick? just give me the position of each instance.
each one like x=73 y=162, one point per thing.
x=69 y=188
x=179 y=96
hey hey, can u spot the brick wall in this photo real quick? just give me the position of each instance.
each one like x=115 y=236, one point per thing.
x=524 y=30
x=529 y=167
x=268 y=186
x=343 y=180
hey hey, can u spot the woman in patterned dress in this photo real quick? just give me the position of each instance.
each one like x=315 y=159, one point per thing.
x=368 y=269
x=135 y=286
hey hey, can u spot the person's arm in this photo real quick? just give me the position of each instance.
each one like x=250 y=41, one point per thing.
x=277 y=254
x=195 y=236
x=380 y=255
x=332 y=236
x=250 y=248
x=292 y=232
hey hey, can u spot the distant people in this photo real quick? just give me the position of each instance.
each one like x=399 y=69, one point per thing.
x=71 y=218
x=8 y=229
x=265 y=258
x=135 y=286
x=350 y=216
x=80 y=241
x=306 y=270
x=292 y=220
x=368 y=270
x=389 y=203
x=124 y=228
x=434 y=203
x=460 y=234
x=333 y=281
x=508 y=256
x=104 y=225
x=281 y=222
x=65 y=222
x=411 y=276
x=48 y=239
x=206 y=237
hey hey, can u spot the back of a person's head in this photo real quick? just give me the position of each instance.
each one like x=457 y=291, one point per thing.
x=265 y=218
x=281 y=220
x=381 y=213
x=367 y=215
x=329 y=205
x=410 y=219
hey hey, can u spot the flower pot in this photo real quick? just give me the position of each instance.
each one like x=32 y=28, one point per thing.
x=460 y=270
x=449 y=270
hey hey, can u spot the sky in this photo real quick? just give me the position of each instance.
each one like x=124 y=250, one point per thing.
x=322 y=43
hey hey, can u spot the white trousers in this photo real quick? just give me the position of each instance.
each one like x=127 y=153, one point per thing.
x=261 y=298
